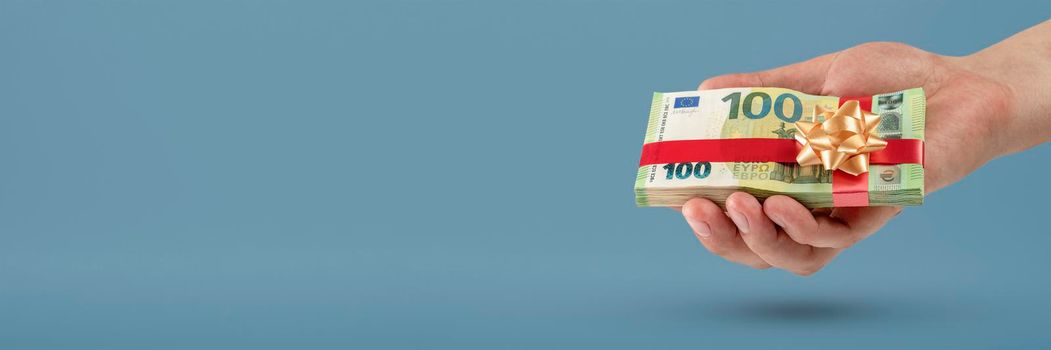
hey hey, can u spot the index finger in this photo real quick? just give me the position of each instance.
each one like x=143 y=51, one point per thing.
x=841 y=228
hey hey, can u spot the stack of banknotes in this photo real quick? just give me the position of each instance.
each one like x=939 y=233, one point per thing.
x=770 y=113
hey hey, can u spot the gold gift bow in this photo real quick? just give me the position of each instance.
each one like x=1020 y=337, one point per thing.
x=843 y=141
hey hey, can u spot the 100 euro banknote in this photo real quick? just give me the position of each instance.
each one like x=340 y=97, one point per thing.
x=739 y=113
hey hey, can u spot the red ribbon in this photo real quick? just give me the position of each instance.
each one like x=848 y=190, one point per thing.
x=763 y=150
x=847 y=190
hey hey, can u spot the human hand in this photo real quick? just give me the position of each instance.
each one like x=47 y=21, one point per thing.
x=967 y=109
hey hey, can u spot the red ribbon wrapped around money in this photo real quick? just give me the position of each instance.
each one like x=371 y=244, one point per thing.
x=845 y=143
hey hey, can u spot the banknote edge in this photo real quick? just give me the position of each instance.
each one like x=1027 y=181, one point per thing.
x=655 y=112
x=641 y=199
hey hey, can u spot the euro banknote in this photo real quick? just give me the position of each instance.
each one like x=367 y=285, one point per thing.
x=740 y=113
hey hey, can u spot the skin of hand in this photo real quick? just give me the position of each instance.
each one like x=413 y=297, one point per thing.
x=979 y=107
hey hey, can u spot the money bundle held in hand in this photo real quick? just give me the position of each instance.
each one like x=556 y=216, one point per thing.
x=712 y=143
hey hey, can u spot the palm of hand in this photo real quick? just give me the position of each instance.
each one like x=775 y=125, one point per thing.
x=961 y=106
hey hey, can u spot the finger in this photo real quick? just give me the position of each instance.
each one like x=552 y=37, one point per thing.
x=772 y=245
x=841 y=228
x=866 y=220
x=807 y=76
x=806 y=227
x=718 y=234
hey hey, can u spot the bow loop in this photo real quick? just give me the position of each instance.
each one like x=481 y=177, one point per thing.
x=842 y=141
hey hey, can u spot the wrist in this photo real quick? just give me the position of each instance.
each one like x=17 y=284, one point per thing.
x=1010 y=88
x=1011 y=78
x=991 y=102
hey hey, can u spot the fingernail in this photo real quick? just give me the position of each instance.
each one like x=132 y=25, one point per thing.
x=700 y=227
x=739 y=220
x=777 y=220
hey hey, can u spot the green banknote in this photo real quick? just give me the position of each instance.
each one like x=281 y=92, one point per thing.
x=769 y=113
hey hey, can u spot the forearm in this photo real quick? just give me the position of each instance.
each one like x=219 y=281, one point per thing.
x=1022 y=65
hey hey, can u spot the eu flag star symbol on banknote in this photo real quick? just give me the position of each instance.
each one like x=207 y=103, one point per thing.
x=688 y=101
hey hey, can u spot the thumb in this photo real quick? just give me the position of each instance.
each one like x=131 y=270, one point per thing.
x=807 y=76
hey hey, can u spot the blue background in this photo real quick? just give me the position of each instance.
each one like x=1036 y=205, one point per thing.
x=388 y=174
